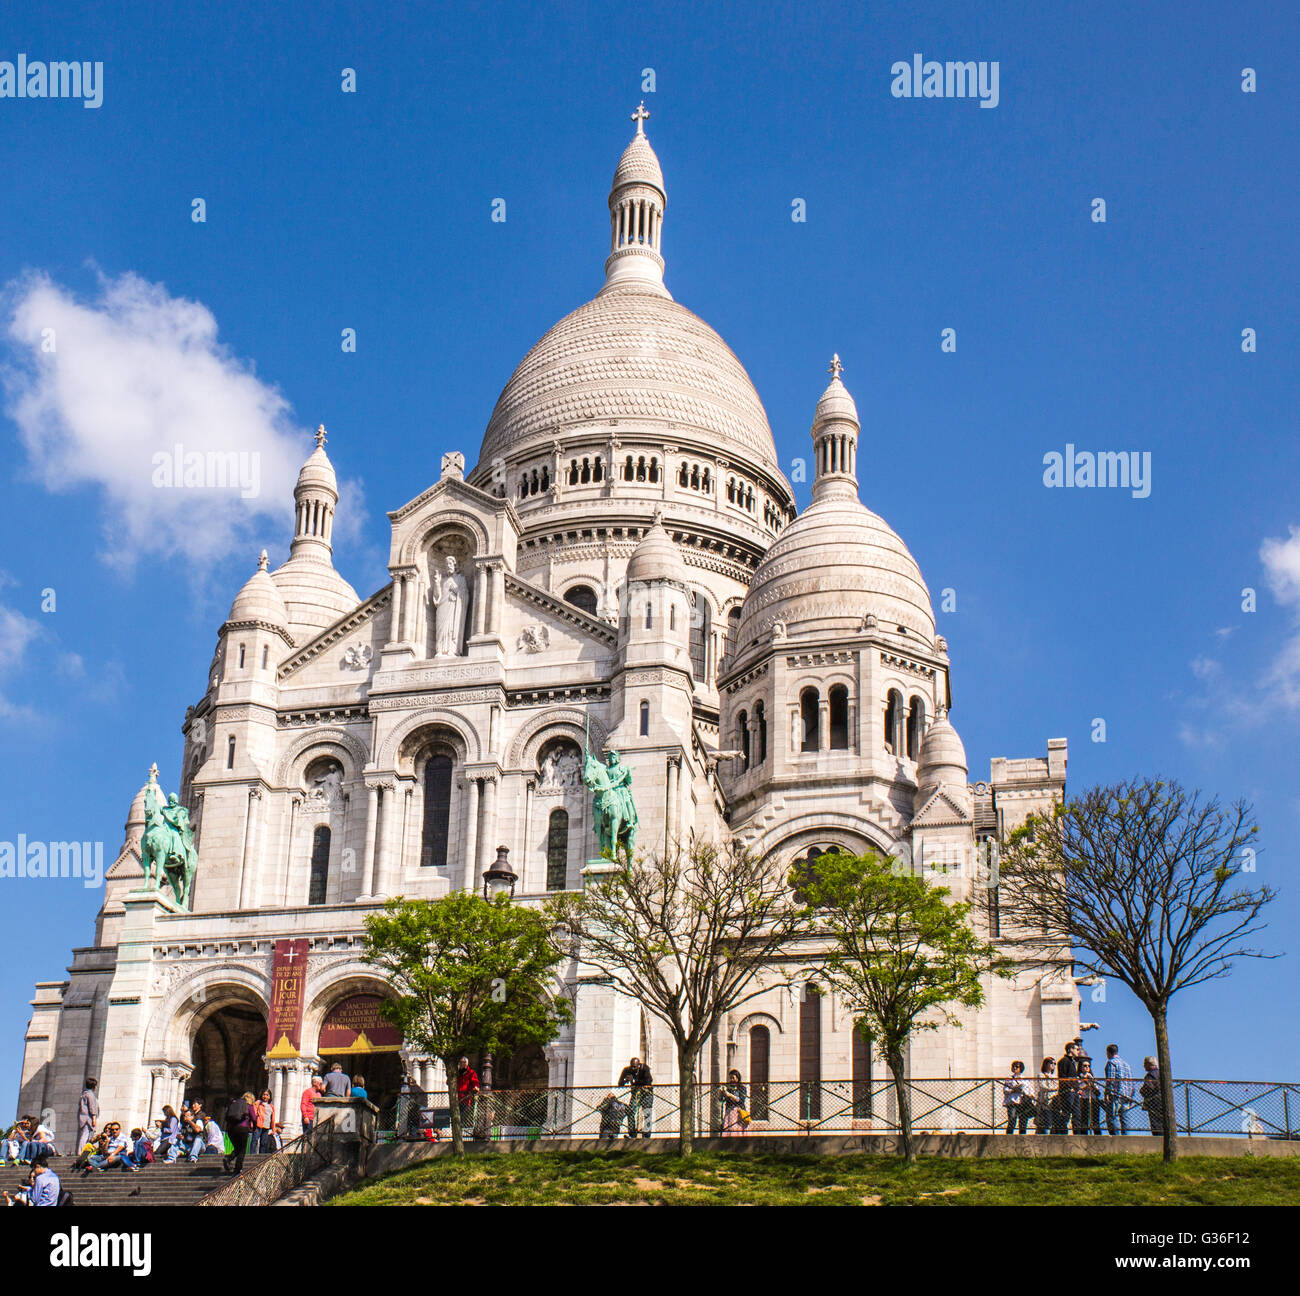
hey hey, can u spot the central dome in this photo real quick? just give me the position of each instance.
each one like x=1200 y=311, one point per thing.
x=634 y=355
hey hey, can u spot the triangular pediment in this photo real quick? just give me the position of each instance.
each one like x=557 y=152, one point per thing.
x=533 y=605
x=454 y=488
x=358 y=625
x=940 y=810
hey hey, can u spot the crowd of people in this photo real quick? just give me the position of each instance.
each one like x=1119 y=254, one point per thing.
x=1068 y=1097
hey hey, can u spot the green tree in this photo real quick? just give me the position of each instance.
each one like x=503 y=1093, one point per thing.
x=1141 y=881
x=686 y=934
x=903 y=955
x=470 y=976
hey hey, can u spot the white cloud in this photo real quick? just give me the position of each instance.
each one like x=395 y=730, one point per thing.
x=1281 y=559
x=1205 y=668
x=17 y=632
x=133 y=373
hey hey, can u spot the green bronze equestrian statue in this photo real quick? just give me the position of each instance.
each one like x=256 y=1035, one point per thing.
x=614 y=808
x=167 y=848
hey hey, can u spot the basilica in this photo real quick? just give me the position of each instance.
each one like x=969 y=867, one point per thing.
x=622 y=569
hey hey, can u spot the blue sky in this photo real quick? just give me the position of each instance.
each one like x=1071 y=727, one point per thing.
x=372 y=211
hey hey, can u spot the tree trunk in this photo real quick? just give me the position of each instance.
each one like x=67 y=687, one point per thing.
x=1170 y=1112
x=895 y=1062
x=457 y=1134
x=686 y=1101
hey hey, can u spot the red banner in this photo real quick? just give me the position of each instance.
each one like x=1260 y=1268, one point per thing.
x=288 y=984
x=356 y=1026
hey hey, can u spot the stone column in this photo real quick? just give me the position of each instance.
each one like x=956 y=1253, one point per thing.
x=672 y=832
x=480 y=599
x=396 y=609
x=157 y=1087
x=823 y=725
x=471 y=834
x=372 y=827
x=530 y=787
x=487 y=838
x=383 y=851
x=294 y=802
x=179 y=1077
x=247 y=876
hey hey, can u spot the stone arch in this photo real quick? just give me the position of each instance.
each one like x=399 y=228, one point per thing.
x=741 y=1028
x=787 y=836
x=397 y=749
x=445 y=519
x=175 y=1022
x=553 y=724
x=326 y=987
x=345 y=747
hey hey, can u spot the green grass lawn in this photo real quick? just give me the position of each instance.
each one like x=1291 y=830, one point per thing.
x=767 y=1179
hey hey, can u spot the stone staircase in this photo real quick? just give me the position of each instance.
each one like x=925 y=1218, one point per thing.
x=179 y=1184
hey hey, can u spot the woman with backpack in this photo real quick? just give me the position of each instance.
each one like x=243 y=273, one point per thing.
x=240 y=1119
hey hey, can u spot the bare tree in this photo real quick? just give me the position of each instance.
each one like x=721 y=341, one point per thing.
x=686 y=934
x=1142 y=882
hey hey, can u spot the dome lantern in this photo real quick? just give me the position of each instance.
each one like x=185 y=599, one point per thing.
x=835 y=431
x=315 y=498
x=636 y=213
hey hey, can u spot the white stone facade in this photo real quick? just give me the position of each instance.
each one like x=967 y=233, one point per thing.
x=801 y=650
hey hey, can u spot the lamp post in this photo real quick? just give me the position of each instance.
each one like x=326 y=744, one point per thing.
x=499 y=878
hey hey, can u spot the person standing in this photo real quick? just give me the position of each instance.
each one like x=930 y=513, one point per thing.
x=308 y=1104
x=263 y=1123
x=640 y=1113
x=87 y=1113
x=241 y=1120
x=735 y=1098
x=1152 y=1102
x=1089 y=1100
x=336 y=1082
x=1044 y=1092
x=1118 y=1091
x=1017 y=1100
x=1067 y=1093
x=466 y=1093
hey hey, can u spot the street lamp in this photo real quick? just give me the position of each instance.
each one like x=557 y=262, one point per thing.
x=499 y=878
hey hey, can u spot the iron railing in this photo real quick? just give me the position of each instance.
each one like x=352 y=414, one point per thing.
x=1236 y=1108
x=280 y=1172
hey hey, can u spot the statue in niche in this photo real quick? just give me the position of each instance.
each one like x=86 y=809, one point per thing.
x=450 y=597
x=325 y=785
x=561 y=768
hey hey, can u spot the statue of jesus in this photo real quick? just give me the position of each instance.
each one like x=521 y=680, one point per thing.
x=449 y=596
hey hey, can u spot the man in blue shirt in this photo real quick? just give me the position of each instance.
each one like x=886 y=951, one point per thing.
x=45 y=1187
x=1119 y=1091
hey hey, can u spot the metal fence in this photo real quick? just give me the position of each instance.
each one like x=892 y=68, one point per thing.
x=280 y=1173
x=1239 y=1108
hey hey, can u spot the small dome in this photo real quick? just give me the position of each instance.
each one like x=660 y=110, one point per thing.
x=259 y=600
x=318 y=473
x=314 y=594
x=656 y=558
x=638 y=165
x=941 y=754
x=836 y=403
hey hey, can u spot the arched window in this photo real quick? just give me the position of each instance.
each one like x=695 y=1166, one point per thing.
x=320 y=866
x=627 y=469
x=760 y=714
x=810 y=1054
x=684 y=476
x=760 y=1053
x=557 y=850
x=241 y=656
x=839 y=717
x=742 y=739
x=598 y=473
x=700 y=630
x=582 y=597
x=230 y=752
x=894 y=723
x=654 y=470
x=862 y=1074
x=437 y=812
x=266 y=653
x=915 y=726
x=672 y=616
x=810 y=716
x=645 y=719
x=649 y=614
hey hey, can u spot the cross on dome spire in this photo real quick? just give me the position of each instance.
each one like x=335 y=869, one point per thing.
x=320 y=437
x=641 y=116
x=836 y=367
x=263 y=562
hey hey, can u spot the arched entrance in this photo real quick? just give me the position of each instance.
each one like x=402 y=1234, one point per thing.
x=227 y=1056
x=354 y=1034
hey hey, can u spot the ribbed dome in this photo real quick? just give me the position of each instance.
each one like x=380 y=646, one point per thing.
x=834 y=564
x=942 y=748
x=259 y=600
x=314 y=594
x=656 y=557
x=639 y=357
x=318 y=472
x=836 y=403
x=638 y=165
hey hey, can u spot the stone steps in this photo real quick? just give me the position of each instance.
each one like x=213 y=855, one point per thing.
x=178 y=1184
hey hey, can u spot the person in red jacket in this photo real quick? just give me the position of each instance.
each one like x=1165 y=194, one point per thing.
x=309 y=1096
x=466 y=1090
